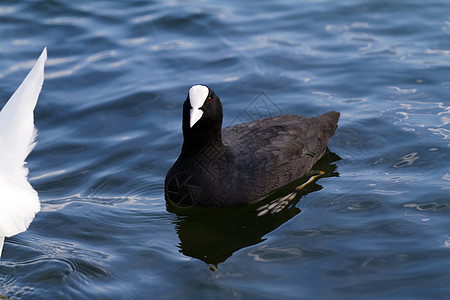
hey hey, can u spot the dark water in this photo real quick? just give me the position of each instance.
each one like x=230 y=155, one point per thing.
x=376 y=225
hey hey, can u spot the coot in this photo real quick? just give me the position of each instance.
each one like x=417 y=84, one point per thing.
x=242 y=163
x=19 y=202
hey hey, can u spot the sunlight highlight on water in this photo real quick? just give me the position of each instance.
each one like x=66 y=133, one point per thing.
x=109 y=120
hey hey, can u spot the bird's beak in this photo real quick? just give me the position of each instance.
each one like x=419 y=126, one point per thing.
x=196 y=114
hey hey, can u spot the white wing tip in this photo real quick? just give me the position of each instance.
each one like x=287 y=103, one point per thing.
x=42 y=58
x=2 y=240
x=44 y=53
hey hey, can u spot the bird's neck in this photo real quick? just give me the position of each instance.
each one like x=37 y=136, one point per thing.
x=197 y=141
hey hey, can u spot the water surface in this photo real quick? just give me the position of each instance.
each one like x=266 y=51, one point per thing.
x=109 y=119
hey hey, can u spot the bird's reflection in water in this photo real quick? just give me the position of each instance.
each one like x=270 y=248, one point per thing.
x=214 y=234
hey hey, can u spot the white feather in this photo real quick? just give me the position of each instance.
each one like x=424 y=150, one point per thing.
x=19 y=202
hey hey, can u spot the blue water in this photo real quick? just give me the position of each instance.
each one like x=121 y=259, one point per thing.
x=109 y=120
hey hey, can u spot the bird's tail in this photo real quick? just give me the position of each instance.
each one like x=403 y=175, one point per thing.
x=328 y=125
x=329 y=122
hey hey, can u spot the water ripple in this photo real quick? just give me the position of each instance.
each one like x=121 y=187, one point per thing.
x=109 y=128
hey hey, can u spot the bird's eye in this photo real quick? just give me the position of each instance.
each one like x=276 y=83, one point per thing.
x=209 y=99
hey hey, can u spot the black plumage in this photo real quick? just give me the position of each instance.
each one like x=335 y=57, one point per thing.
x=242 y=163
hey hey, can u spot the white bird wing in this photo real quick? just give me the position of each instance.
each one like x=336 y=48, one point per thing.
x=19 y=202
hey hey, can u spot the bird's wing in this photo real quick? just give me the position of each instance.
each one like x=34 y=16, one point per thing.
x=19 y=202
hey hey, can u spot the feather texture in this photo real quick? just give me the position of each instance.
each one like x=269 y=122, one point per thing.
x=19 y=202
